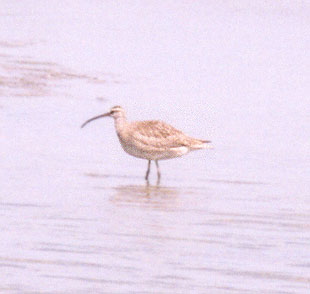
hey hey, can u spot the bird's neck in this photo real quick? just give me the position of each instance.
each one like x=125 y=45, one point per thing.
x=120 y=123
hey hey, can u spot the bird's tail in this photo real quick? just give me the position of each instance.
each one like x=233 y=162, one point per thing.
x=202 y=144
x=207 y=144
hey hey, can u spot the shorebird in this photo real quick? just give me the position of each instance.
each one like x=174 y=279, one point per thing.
x=152 y=140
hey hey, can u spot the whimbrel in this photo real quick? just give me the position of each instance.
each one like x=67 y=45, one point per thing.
x=151 y=140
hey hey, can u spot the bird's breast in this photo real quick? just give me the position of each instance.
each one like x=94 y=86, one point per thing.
x=130 y=146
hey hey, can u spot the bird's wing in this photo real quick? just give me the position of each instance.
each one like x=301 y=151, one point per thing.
x=159 y=134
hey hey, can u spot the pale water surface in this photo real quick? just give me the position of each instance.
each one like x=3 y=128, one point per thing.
x=75 y=213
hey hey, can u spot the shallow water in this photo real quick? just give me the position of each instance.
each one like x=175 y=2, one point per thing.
x=75 y=212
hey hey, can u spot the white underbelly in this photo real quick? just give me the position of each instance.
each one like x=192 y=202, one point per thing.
x=153 y=153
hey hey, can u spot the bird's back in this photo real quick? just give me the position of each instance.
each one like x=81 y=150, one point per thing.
x=159 y=134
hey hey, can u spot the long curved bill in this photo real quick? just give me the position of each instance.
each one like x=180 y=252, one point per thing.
x=94 y=118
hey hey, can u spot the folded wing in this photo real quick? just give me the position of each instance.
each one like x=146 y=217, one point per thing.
x=157 y=134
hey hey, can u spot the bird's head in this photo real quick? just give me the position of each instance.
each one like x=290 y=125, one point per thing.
x=115 y=112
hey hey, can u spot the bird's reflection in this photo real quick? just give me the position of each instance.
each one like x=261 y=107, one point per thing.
x=158 y=197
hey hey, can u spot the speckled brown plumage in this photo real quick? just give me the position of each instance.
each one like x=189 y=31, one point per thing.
x=151 y=140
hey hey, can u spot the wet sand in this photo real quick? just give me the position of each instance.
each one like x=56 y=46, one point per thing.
x=76 y=215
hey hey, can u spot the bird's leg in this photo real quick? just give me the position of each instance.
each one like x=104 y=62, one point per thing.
x=148 y=171
x=158 y=171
